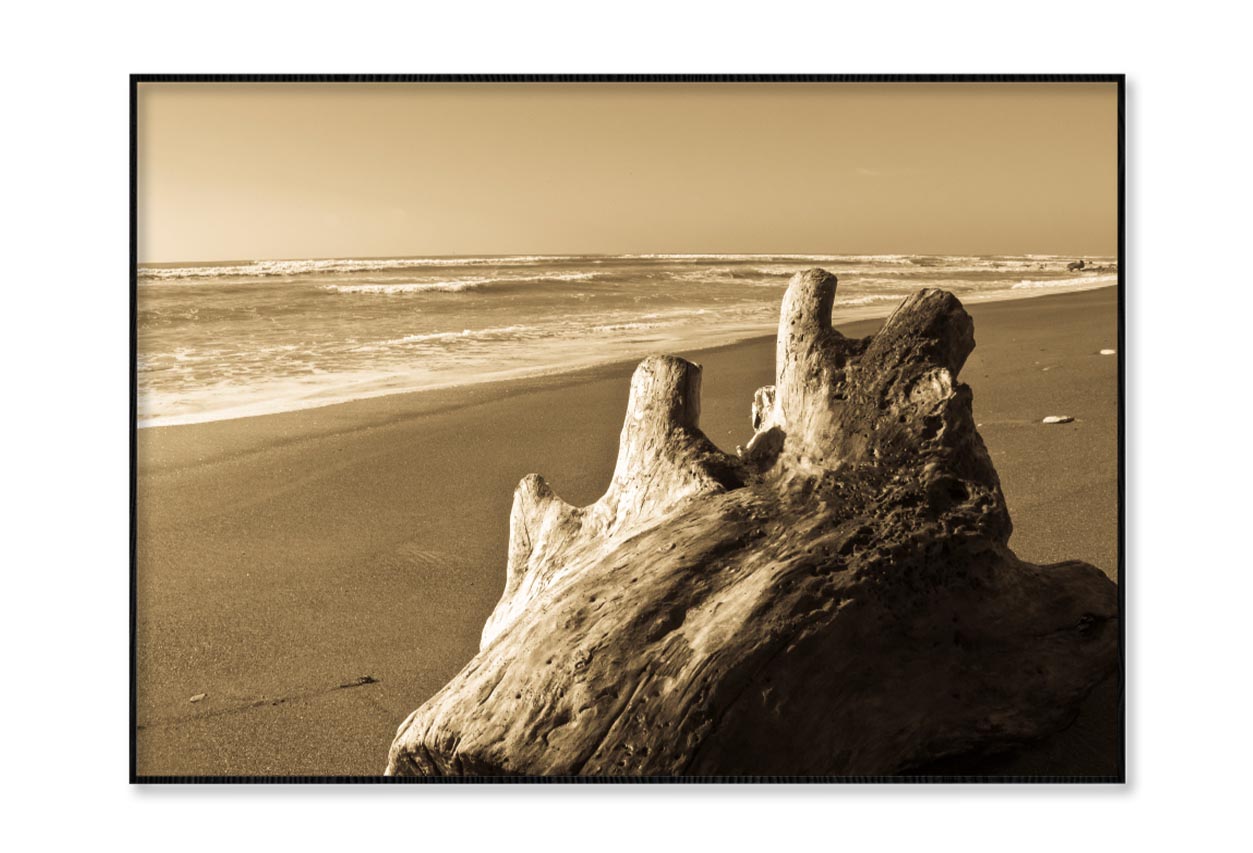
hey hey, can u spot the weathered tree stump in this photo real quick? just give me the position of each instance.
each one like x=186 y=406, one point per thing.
x=839 y=598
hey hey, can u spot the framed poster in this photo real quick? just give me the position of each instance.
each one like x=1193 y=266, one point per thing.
x=616 y=429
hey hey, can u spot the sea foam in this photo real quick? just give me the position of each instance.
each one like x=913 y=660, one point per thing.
x=233 y=339
x=1074 y=281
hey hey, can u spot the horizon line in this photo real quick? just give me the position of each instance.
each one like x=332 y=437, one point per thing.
x=642 y=255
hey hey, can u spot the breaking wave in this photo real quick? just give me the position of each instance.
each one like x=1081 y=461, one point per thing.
x=496 y=333
x=340 y=265
x=1074 y=281
x=629 y=327
x=869 y=299
x=264 y=268
x=402 y=288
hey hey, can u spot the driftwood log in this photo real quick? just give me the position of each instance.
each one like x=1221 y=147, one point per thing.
x=837 y=598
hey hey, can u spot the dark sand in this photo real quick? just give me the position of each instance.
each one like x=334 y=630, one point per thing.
x=280 y=557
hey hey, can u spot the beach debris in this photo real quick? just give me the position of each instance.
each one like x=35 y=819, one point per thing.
x=1108 y=351
x=359 y=681
x=841 y=599
x=198 y=697
x=1057 y=419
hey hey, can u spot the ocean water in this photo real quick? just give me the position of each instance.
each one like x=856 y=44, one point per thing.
x=245 y=338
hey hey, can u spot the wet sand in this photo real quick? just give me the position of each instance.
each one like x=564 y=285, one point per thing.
x=316 y=575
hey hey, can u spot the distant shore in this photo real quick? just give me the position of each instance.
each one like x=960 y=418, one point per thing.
x=317 y=574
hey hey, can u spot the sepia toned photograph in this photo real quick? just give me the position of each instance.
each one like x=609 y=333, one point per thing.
x=591 y=428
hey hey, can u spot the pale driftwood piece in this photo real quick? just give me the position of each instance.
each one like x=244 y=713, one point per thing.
x=663 y=457
x=839 y=599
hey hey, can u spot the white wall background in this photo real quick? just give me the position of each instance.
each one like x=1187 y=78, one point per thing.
x=64 y=297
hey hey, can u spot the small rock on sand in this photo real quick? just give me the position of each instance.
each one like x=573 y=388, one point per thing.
x=197 y=697
x=1108 y=351
x=1057 y=419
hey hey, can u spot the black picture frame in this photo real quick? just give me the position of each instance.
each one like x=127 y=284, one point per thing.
x=1119 y=79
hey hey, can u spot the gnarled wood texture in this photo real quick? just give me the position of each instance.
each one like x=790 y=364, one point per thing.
x=838 y=598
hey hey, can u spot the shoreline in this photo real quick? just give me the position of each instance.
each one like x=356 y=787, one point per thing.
x=283 y=557
x=850 y=314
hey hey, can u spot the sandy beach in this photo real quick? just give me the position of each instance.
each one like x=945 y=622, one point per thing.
x=314 y=576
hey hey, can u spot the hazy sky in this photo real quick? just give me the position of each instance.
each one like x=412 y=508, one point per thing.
x=249 y=171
